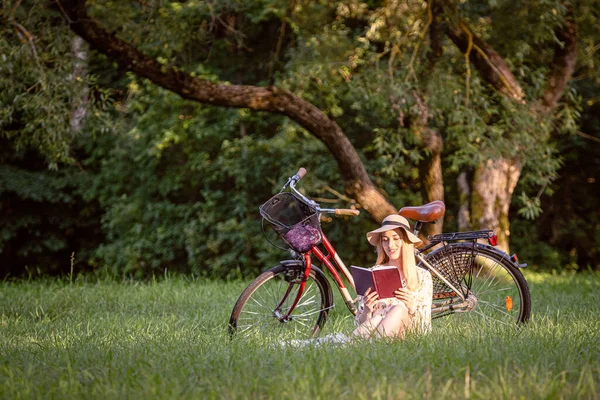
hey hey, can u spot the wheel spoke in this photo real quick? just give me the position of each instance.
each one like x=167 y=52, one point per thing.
x=256 y=327
x=308 y=313
x=497 y=308
x=487 y=317
x=250 y=312
x=258 y=310
x=489 y=277
x=497 y=290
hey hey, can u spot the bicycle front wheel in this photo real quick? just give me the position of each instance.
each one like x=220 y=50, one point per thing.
x=493 y=288
x=263 y=307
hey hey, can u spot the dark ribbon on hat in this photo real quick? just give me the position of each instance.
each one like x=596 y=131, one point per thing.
x=400 y=224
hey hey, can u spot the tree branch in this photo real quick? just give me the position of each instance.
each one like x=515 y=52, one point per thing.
x=563 y=64
x=590 y=137
x=436 y=31
x=494 y=69
x=490 y=64
x=270 y=99
x=284 y=22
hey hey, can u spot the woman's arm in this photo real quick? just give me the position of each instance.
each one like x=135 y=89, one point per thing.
x=420 y=298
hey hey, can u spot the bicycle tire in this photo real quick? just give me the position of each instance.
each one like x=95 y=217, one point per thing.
x=485 y=274
x=255 y=311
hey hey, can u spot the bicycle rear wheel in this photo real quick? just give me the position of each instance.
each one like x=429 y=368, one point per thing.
x=493 y=287
x=263 y=306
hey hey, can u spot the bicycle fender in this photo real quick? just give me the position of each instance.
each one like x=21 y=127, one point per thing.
x=292 y=263
x=504 y=255
x=300 y=263
x=318 y=272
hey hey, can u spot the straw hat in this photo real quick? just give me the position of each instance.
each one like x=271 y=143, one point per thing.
x=393 y=222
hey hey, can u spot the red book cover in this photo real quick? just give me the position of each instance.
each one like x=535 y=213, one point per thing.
x=384 y=279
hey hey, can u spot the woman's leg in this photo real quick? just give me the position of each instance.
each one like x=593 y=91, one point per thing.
x=366 y=329
x=395 y=322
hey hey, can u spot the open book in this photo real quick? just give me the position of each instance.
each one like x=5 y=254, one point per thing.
x=383 y=279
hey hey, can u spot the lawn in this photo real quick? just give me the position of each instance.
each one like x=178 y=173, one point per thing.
x=167 y=339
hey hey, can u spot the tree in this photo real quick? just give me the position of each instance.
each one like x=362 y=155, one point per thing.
x=416 y=93
x=495 y=180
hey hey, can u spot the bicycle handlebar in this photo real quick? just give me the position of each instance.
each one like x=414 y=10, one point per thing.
x=347 y=211
x=295 y=178
x=337 y=211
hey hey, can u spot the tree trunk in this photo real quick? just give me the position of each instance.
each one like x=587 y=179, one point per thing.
x=493 y=186
x=79 y=101
x=430 y=172
x=464 y=192
x=430 y=168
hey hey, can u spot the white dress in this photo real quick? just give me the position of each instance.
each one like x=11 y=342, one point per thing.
x=421 y=322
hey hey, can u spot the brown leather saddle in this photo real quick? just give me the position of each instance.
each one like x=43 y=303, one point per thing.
x=426 y=213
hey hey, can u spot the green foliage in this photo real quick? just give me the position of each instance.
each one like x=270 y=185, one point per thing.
x=41 y=84
x=566 y=234
x=44 y=220
x=539 y=255
x=180 y=187
x=167 y=184
x=175 y=192
x=531 y=207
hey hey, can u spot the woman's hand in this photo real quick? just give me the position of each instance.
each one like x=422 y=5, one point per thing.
x=369 y=299
x=408 y=298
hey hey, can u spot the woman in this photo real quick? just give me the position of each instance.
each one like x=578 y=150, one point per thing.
x=410 y=309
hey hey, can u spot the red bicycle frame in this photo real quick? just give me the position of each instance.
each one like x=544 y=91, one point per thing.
x=328 y=260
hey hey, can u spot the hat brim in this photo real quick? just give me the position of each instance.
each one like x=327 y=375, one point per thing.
x=373 y=236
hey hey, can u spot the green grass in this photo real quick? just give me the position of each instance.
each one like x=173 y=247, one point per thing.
x=167 y=340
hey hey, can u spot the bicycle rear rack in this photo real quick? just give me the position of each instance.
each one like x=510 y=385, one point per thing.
x=454 y=236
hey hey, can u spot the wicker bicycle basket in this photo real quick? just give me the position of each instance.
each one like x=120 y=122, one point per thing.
x=296 y=223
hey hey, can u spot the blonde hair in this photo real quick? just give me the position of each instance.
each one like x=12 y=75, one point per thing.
x=407 y=257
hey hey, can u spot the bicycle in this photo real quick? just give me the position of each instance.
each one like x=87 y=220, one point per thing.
x=469 y=277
